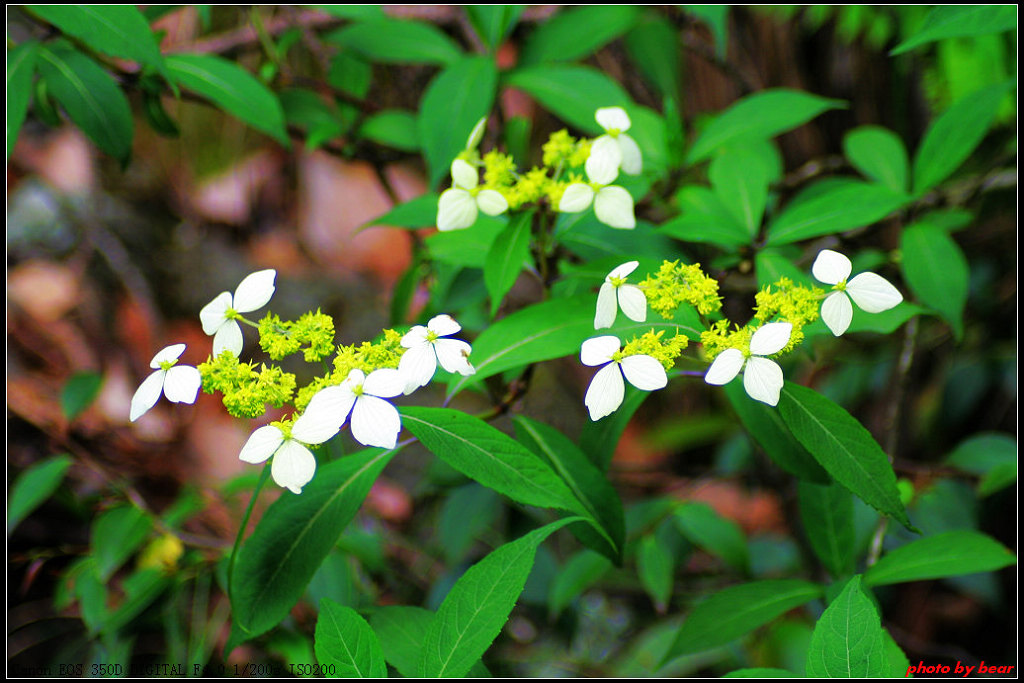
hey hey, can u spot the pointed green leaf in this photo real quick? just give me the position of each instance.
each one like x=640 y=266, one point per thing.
x=949 y=554
x=509 y=253
x=79 y=392
x=654 y=46
x=955 y=21
x=842 y=206
x=401 y=629
x=345 y=641
x=936 y=270
x=880 y=155
x=393 y=128
x=706 y=529
x=827 y=514
x=577 y=32
x=848 y=640
x=115 y=535
x=21 y=66
x=420 y=212
x=717 y=19
x=397 y=41
x=33 y=487
x=581 y=571
x=494 y=22
x=600 y=439
x=466 y=514
x=740 y=180
x=990 y=455
x=573 y=93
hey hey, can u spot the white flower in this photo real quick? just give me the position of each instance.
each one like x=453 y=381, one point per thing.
x=872 y=293
x=606 y=390
x=375 y=422
x=612 y=204
x=615 y=149
x=294 y=464
x=180 y=384
x=762 y=377
x=616 y=293
x=218 y=316
x=427 y=347
x=458 y=206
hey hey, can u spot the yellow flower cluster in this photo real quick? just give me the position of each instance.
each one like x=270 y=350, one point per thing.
x=651 y=344
x=367 y=356
x=246 y=391
x=676 y=283
x=719 y=337
x=563 y=149
x=789 y=302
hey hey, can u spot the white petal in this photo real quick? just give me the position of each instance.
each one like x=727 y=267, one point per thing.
x=606 y=308
x=491 y=202
x=261 y=445
x=255 y=291
x=477 y=133
x=417 y=336
x=577 y=197
x=762 y=378
x=229 y=337
x=212 y=315
x=725 y=367
x=632 y=160
x=453 y=355
x=375 y=422
x=614 y=207
x=612 y=118
x=182 y=384
x=386 y=382
x=324 y=415
x=831 y=267
x=293 y=466
x=464 y=175
x=770 y=338
x=603 y=163
x=356 y=377
x=644 y=372
x=443 y=325
x=633 y=302
x=622 y=270
x=837 y=312
x=456 y=210
x=604 y=396
x=166 y=355
x=873 y=293
x=599 y=350
x=417 y=366
x=147 y=394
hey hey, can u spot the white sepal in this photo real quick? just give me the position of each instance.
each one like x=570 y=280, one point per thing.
x=229 y=337
x=324 y=415
x=633 y=302
x=770 y=338
x=453 y=355
x=375 y=422
x=602 y=165
x=762 y=379
x=385 y=382
x=212 y=316
x=873 y=293
x=477 y=133
x=166 y=355
x=725 y=367
x=831 y=267
x=417 y=365
x=464 y=175
x=254 y=291
x=605 y=393
x=576 y=197
x=456 y=209
x=632 y=160
x=837 y=312
x=622 y=270
x=293 y=466
x=614 y=207
x=492 y=202
x=599 y=350
x=606 y=306
x=147 y=395
x=644 y=372
x=262 y=444
x=613 y=118
x=181 y=384
x=443 y=325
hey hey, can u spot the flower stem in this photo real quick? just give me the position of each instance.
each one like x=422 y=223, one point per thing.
x=264 y=475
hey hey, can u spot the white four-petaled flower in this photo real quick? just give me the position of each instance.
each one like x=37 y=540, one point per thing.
x=614 y=149
x=762 y=377
x=606 y=390
x=870 y=292
x=615 y=293
x=375 y=422
x=427 y=347
x=458 y=205
x=179 y=383
x=219 y=316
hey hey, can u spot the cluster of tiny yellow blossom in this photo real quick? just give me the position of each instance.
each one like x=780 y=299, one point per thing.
x=651 y=343
x=246 y=391
x=676 y=283
x=313 y=333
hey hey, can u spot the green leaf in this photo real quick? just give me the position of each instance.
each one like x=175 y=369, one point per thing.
x=345 y=641
x=843 y=447
x=896 y=661
x=401 y=630
x=772 y=264
x=33 y=487
x=949 y=554
x=841 y=206
x=506 y=258
x=276 y=563
x=493 y=23
x=451 y=106
x=599 y=439
x=880 y=155
x=735 y=611
x=307 y=110
x=79 y=392
x=115 y=535
x=655 y=565
x=706 y=529
x=704 y=218
x=653 y=44
x=848 y=640
x=573 y=93
x=717 y=19
x=581 y=571
x=992 y=456
x=396 y=41
x=478 y=606
x=469 y=247
x=956 y=21
x=232 y=89
x=760 y=673
x=91 y=98
x=358 y=12
x=885 y=322
x=420 y=212
x=953 y=136
x=762 y=115
x=827 y=514
x=393 y=128
x=21 y=66
x=740 y=181
x=936 y=270
x=577 y=32
x=141 y=590
x=466 y=514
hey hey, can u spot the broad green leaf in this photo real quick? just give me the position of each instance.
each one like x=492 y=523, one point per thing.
x=493 y=23
x=896 y=660
x=843 y=447
x=590 y=239
x=573 y=93
x=21 y=66
x=953 y=136
x=232 y=89
x=992 y=456
x=468 y=511
x=948 y=554
x=478 y=605
x=762 y=115
x=401 y=630
x=307 y=110
x=397 y=41
x=735 y=611
x=276 y=562
x=420 y=212
x=469 y=247
x=507 y=257
x=956 y=21
x=827 y=514
x=706 y=529
x=843 y=206
x=655 y=565
x=577 y=575
x=393 y=128
x=91 y=98
x=577 y=32
x=115 y=535
x=653 y=44
x=345 y=641
x=451 y=106
x=141 y=590
x=936 y=270
x=885 y=322
x=740 y=181
x=33 y=487
x=848 y=640
x=350 y=74
x=705 y=219
x=79 y=392
x=880 y=155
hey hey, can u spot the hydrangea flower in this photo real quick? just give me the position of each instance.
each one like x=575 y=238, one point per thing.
x=606 y=390
x=615 y=293
x=612 y=204
x=375 y=422
x=762 y=377
x=294 y=465
x=459 y=205
x=427 y=347
x=614 y=149
x=179 y=383
x=220 y=315
x=872 y=293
